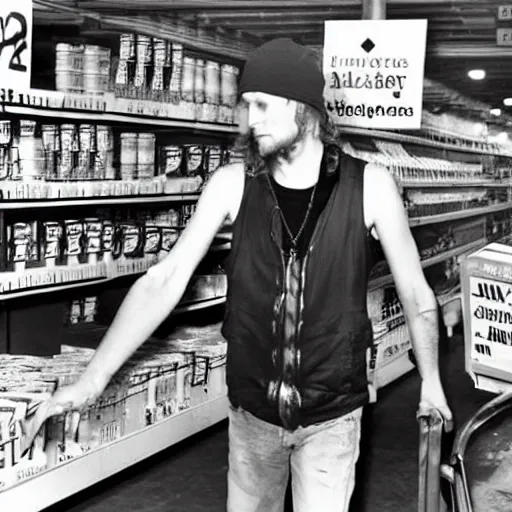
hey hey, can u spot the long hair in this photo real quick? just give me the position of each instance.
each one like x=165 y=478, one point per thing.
x=307 y=119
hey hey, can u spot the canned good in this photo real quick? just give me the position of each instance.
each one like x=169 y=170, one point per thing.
x=229 y=85
x=104 y=156
x=126 y=53
x=52 y=236
x=188 y=79
x=175 y=84
x=67 y=138
x=49 y=135
x=31 y=151
x=160 y=57
x=212 y=82
x=107 y=236
x=21 y=240
x=194 y=159
x=63 y=57
x=172 y=157
x=94 y=75
x=5 y=141
x=86 y=146
x=93 y=228
x=131 y=240
x=90 y=307
x=128 y=158
x=144 y=57
x=74 y=231
x=169 y=238
x=214 y=159
x=152 y=239
x=146 y=155
x=199 y=81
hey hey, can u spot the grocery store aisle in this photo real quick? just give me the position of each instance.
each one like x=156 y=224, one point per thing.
x=191 y=477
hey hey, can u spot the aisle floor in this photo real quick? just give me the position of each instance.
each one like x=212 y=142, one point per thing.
x=191 y=477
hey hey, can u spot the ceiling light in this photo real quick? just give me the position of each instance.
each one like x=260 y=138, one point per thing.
x=476 y=74
x=495 y=111
x=507 y=102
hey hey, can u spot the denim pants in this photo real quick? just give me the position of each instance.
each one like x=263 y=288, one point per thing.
x=321 y=457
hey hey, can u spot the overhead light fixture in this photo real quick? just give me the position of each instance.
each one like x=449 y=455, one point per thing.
x=476 y=74
x=507 y=102
x=495 y=111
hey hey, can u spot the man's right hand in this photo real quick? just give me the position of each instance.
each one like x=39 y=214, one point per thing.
x=77 y=396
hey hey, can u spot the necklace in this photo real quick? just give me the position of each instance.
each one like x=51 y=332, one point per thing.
x=293 y=239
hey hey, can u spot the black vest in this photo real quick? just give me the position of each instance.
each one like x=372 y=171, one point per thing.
x=336 y=331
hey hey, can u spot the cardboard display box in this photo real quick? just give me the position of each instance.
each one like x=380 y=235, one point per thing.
x=486 y=278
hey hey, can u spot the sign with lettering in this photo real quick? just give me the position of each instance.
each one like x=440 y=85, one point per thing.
x=490 y=304
x=15 y=44
x=374 y=72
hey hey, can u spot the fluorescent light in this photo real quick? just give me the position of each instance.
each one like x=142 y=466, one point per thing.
x=495 y=111
x=507 y=102
x=476 y=74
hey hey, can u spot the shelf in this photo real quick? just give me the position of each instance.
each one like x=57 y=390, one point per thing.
x=414 y=139
x=97 y=201
x=452 y=184
x=379 y=282
x=462 y=214
x=108 y=109
x=78 y=474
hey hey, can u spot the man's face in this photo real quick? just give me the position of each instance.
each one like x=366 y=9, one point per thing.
x=271 y=119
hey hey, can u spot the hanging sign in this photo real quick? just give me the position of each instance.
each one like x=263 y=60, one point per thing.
x=15 y=44
x=374 y=72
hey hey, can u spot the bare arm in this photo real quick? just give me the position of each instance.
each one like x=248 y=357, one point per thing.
x=389 y=218
x=154 y=295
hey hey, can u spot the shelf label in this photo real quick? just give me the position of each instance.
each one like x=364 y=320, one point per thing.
x=15 y=44
x=505 y=12
x=504 y=36
x=374 y=79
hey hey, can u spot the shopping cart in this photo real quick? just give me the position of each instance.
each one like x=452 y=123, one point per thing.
x=445 y=484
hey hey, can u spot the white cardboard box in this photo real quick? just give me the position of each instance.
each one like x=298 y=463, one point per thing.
x=486 y=278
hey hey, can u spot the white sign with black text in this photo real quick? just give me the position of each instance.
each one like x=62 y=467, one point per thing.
x=374 y=72
x=15 y=44
x=491 y=322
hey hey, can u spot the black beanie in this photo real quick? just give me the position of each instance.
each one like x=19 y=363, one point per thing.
x=286 y=69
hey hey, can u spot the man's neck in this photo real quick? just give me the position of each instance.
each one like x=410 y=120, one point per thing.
x=302 y=169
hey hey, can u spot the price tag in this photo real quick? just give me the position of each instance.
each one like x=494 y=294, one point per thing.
x=505 y=12
x=15 y=44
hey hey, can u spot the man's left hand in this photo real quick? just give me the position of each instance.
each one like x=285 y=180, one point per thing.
x=433 y=397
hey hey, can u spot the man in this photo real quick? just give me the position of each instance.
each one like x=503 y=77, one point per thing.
x=304 y=216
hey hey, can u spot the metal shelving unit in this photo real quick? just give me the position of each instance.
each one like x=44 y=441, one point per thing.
x=71 y=477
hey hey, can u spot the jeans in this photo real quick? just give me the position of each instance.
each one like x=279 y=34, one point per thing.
x=321 y=457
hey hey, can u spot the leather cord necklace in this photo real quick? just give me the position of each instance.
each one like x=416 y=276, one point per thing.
x=294 y=239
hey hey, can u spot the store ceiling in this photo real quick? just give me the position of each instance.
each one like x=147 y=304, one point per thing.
x=461 y=33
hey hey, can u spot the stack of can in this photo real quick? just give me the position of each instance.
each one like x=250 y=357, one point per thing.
x=137 y=156
x=69 y=66
x=82 y=68
x=96 y=69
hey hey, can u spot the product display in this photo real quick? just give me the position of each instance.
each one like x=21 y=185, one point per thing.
x=163 y=378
